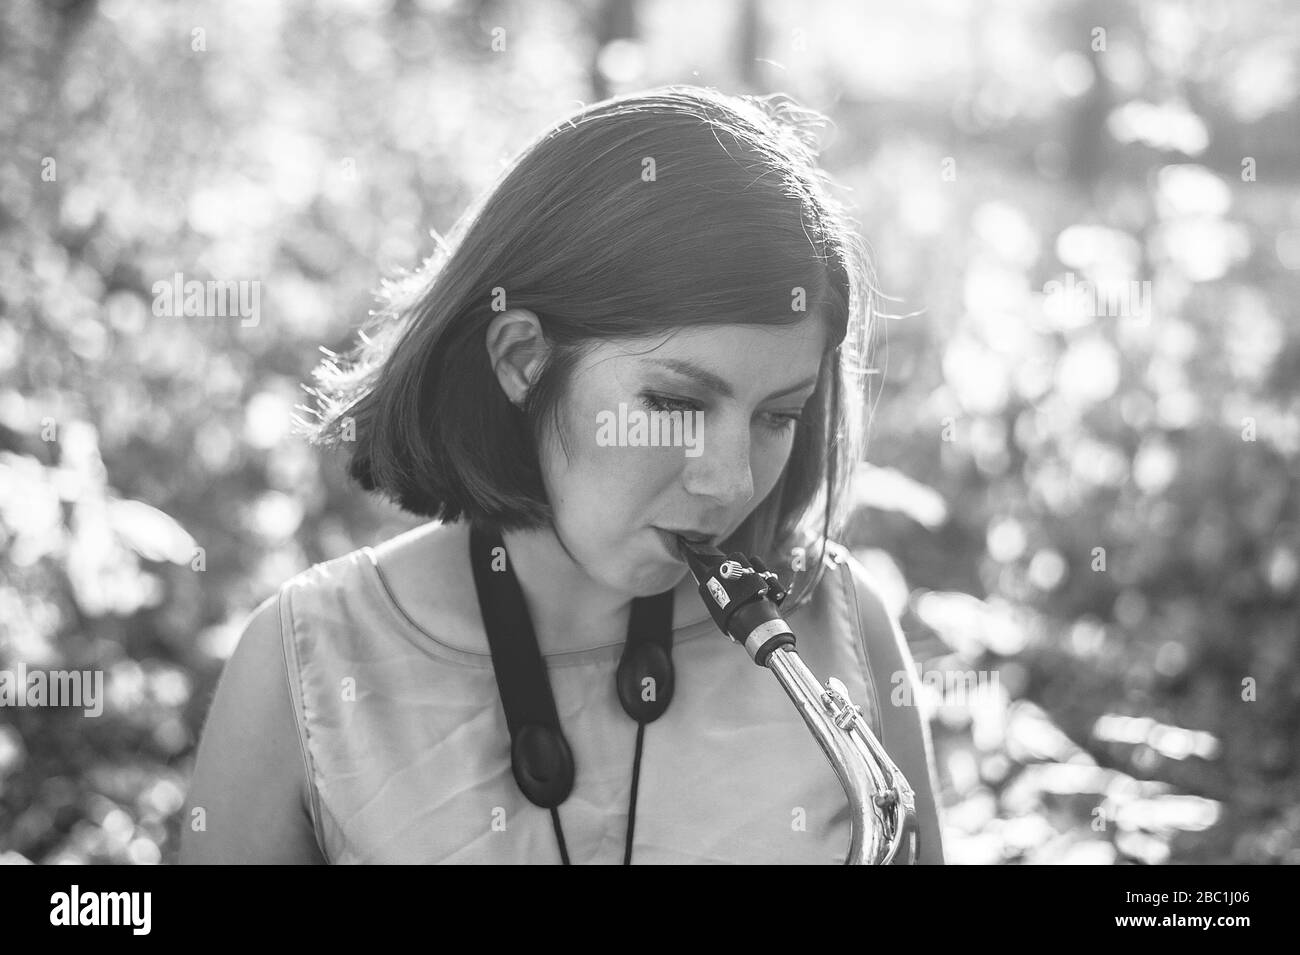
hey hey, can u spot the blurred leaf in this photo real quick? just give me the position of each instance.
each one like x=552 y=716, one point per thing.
x=149 y=532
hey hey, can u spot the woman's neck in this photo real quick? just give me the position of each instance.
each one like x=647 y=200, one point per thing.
x=570 y=610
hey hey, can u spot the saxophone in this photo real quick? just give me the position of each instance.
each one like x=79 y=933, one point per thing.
x=742 y=596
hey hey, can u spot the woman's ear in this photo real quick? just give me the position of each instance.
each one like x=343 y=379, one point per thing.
x=517 y=347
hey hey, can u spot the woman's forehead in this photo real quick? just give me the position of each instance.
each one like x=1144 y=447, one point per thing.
x=721 y=358
x=722 y=341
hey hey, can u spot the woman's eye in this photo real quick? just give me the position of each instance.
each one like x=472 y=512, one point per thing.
x=663 y=403
x=780 y=421
x=776 y=422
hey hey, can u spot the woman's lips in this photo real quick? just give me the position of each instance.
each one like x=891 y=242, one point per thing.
x=670 y=539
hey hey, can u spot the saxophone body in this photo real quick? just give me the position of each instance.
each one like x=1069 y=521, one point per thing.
x=743 y=598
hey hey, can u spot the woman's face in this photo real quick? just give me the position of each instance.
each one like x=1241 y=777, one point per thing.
x=619 y=491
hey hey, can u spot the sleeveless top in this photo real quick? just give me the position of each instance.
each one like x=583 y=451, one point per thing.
x=407 y=751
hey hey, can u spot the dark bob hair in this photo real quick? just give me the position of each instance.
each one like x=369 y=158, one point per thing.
x=647 y=212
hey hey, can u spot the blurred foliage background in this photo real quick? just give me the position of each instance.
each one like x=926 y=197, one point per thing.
x=1098 y=509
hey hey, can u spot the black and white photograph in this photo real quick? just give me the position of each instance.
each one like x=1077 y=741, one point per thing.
x=650 y=432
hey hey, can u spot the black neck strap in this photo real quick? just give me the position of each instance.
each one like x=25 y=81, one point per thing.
x=540 y=757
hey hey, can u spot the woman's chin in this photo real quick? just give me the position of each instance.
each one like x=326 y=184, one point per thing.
x=654 y=576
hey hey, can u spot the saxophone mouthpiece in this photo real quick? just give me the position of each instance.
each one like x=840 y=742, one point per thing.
x=703 y=559
x=741 y=595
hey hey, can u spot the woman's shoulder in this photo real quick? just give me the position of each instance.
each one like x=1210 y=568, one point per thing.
x=433 y=549
x=427 y=579
x=868 y=602
x=420 y=565
x=871 y=597
x=875 y=599
x=417 y=584
x=345 y=571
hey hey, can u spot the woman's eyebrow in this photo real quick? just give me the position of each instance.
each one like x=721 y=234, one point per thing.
x=707 y=379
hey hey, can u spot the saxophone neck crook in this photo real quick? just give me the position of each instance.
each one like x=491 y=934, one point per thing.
x=743 y=598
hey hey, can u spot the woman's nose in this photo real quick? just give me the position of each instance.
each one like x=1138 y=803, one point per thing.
x=722 y=469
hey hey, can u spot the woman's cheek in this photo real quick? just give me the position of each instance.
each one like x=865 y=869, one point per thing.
x=767 y=462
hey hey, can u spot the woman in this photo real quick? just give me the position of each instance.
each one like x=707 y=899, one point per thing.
x=670 y=257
